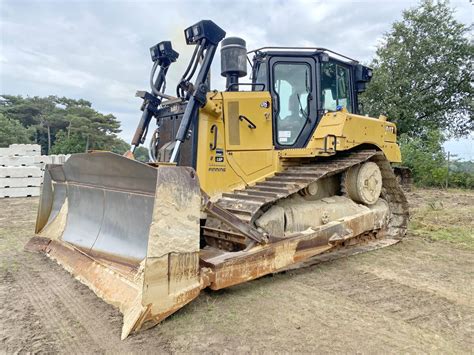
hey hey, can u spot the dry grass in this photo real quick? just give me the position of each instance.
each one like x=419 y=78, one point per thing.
x=443 y=216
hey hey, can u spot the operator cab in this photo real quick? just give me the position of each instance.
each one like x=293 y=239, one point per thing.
x=305 y=84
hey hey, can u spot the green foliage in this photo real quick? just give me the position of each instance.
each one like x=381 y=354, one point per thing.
x=422 y=73
x=462 y=179
x=463 y=167
x=62 y=125
x=11 y=131
x=425 y=157
x=427 y=160
x=141 y=154
x=75 y=143
x=120 y=146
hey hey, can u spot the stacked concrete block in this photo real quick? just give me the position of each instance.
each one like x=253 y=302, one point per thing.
x=21 y=150
x=20 y=181
x=39 y=160
x=22 y=168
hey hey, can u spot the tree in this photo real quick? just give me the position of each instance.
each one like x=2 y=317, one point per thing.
x=120 y=146
x=427 y=160
x=69 y=144
x=141 y=154
x=422 y=73
x=84 y=127
x=11 y=132
x=425 y=157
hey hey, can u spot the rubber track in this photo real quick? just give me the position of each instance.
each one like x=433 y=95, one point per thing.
x=250 y=203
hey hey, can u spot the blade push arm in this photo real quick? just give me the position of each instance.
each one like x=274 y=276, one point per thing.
x=206 y=35
x=162 y=55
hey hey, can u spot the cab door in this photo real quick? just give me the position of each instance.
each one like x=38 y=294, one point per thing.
x=248 y=135
x=293 y=89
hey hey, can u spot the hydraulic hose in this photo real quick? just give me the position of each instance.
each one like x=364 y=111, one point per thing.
x=191 y=69
x=191 y=61
x=160 y=80
x=196 y=60
x=153 y=145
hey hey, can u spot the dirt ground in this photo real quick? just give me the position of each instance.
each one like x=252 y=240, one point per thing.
x=414 y=297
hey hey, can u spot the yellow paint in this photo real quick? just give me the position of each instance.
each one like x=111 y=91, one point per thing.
x=245 y=155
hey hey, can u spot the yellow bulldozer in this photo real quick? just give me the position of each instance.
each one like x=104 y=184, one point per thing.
x=276 y=173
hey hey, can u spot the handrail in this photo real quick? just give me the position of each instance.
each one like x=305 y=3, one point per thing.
x=316 y=49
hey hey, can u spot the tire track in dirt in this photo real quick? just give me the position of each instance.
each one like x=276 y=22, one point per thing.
x=342 y=314
x=295 y=317
x=424 y=265
x=422 y=309
x=460 y=296
x=91 y=314
x=99 y=323
x=334 y=307
x=54 y=314
x=33 y=336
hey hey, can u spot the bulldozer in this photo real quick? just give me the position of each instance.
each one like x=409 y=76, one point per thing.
x=276 y=173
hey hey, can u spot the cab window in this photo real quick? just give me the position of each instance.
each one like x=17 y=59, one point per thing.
x=292 y=85
x=335 y=87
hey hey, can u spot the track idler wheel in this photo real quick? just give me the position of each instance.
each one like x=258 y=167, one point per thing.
x=363 y=183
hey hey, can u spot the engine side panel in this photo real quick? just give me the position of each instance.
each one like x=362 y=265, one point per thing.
x=342 y=131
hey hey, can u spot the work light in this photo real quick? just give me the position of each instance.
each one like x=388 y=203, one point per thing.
x=163 y=53
x=205 y=29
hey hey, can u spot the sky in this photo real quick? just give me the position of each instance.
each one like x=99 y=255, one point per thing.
x=99 y=50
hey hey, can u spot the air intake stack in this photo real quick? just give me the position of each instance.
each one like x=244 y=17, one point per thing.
x=233 y=61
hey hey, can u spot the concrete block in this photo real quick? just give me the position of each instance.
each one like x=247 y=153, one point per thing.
x=43 y=159
x=21 y=150
x=17 y=161
x=58 y=159
x=19 y=191
x=20 y=181
x=20 y=171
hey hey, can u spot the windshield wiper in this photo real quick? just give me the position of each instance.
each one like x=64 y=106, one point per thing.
x=303 y=112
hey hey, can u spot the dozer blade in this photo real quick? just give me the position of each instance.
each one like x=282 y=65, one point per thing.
x=127 y=230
